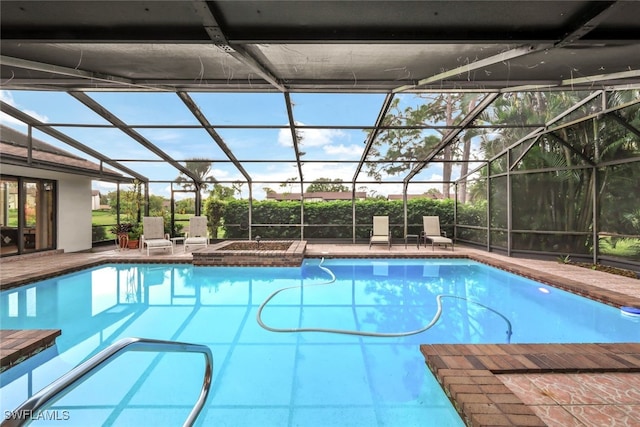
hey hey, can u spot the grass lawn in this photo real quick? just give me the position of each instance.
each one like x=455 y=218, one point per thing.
x=102 y=218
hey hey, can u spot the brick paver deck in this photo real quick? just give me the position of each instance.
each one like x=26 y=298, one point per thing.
x=18 y=345
x=540 y=384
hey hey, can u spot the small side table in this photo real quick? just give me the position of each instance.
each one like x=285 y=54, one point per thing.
x=175 y=240
x=416 y=236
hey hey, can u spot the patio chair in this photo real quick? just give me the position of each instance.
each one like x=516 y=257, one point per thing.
x=380 y=232
x=153 y=236
x=431 y=230
x=198 y=234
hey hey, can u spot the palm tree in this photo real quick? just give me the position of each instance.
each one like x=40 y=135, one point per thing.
x=201 y=169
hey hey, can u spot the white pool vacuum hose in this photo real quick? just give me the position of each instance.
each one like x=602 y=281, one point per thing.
x=433 y=321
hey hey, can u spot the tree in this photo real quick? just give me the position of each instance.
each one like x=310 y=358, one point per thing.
x=407 y=146
x=201 y=169
x=131 y=201
x=327 y=185
x=220 y=192
x=433 y=193
x=237 y=188
x=559 y=192
x=215 y=205
x=156 y=205
x=186 y=206
x=214 y=209
x=289 y=183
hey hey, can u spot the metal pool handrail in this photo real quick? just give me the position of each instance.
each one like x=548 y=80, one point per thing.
x=69 y=380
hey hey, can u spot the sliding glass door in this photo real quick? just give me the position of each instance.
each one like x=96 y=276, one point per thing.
x=27 y=211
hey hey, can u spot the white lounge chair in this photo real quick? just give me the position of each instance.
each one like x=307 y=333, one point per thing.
x=198 y=234
x=153 y=236
x=431 y=231
x=380 y=232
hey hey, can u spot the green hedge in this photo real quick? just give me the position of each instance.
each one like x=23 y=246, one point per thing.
x=329 y=220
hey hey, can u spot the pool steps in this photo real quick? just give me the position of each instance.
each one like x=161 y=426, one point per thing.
x=21 y=415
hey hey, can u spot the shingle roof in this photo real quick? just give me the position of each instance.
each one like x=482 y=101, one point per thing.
x=14 y=145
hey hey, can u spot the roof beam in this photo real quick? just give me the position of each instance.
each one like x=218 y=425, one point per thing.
x=10 y=159
x=451 y=136
x=107 y=115
x=386 y=104
x=481 y=63
x=44 y=127
x=543 y=130
x=572 y=148
x=71 y=72
x=216 y=34
x=294 y=134
x=191 y=105
x=591 y=18
x=601 y=77
x=624 y=123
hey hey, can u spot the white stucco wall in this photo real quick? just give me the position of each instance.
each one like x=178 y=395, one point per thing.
x=74 y=206
x=74 y=214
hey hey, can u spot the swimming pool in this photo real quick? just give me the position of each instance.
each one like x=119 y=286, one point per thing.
x=264 y=378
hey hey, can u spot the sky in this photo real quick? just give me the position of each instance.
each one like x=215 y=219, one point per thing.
x=329 y=145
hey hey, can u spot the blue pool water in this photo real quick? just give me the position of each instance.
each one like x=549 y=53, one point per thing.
x=263 y=378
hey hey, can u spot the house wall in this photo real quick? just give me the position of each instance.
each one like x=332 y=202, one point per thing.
x=95 y=202
x=74 y=206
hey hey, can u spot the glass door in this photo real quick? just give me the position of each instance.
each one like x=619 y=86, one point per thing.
x=27 y=215
x=9 y=216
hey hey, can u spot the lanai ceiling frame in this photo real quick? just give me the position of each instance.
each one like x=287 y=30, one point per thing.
x=122 y=126
x=536 y=134
x=259 y=38
x=615 y=116
x=384 y=109
x=548 y=128
x=51 y=131
x=204 y=122
x=451 y=136
x=308 y=47
x=587 y=22
x=80 y=74
x=237 y=51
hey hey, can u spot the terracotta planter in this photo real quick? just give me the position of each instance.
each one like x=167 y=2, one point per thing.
x=133 y=244
x=123 y=240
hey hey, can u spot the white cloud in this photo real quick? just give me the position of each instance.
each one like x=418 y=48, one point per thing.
x=313 y=171
x=162 y=135
x=341 y=149
x=6 y=119
x=9 y=121
x=310 y=137
x=219 y=174
x=7 y=97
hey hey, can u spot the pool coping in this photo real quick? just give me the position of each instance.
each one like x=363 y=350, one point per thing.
x=17 y=345
x=606 y=296
x=217 y=256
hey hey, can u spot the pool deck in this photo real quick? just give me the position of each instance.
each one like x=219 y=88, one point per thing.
x=19 y=345
x=489 y=385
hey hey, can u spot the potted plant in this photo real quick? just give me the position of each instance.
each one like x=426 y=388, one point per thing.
x=134 y=236
x=122 y=231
